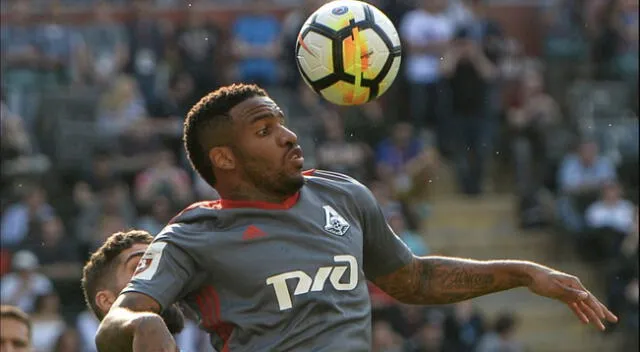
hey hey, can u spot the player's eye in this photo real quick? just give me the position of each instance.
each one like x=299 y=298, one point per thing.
x=263 y=132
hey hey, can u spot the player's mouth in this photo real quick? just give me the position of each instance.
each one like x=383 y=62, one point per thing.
x=295 y=155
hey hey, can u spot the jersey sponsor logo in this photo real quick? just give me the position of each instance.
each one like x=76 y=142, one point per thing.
x=308 y=284
x=148 y=264
x=335 y=224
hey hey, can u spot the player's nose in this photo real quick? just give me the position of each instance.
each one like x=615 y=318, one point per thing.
x=288 y=137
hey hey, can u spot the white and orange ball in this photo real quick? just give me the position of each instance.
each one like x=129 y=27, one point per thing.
x=348 y=52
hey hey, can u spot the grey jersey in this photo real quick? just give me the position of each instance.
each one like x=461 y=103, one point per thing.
x=277 y=277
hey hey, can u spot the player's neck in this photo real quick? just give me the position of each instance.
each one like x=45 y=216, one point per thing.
x=252 y=194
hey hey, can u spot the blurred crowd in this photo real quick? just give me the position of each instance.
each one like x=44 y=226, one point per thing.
x=92 y=113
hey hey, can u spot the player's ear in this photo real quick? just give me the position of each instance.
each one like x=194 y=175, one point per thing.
x=222 y=158
x=104 y=300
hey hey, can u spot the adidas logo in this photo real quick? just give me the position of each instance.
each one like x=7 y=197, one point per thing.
x=252 y=232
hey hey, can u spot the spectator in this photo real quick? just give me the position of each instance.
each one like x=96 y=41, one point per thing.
x=385 y=339
x=164 y=178
x=16 y=141
x=198 y=42
x=503 y=336
x=611 y=210
x=18 y=150
x=608 y=221
x=460 y=12
x=100 y=174
x=122 y=109
x=146 y=50
x=464 y=326
x=430 y=337
x=511 y=69
x=111 y=208
x=21 y=62
x=107 y=45
x=581 y=177
x=336 y=153
x=48 y=324
x=256 y=45
x=367 y=123
x=529 y=119
x=58 y=253
x=168 y=115
x=21 y=287
x=161 y=211
x=15 y=329
x=402 y=159
x=615 y=50
x=426 y=32
x=181 y=96
x=408 y=320
x=64 y=51
x=631 y=316
x=623 y=279
x=18 y=220
x=565 y=43
x=469 y=72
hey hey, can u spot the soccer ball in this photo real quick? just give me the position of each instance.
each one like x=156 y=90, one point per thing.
x=348 y=52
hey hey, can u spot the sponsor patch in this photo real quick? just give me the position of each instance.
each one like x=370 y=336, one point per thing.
x=148 y=264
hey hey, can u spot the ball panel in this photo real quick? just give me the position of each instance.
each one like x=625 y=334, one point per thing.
x=315 y=55
x=382 y=21
x=337 y=14
x=388 y=79
x=365 y=55
x=375 y=56
x=344 y=93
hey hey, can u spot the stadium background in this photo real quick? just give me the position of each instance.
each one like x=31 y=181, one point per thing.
x=94 y=92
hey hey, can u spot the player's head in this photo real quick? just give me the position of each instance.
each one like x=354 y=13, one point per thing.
x=111 y=267
x=15 y=330
x=235 y=136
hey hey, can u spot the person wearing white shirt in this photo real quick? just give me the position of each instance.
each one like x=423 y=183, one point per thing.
x=611 y=211
x=21 y=287
x=426 y=32
x=608 y=221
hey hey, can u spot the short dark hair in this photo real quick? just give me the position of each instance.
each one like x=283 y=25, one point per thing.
x=211 y=115
x=99 y=270
x=13 y=312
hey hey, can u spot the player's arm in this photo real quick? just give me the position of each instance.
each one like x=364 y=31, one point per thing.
x=133 y=320
x=443 y=280
x=389 y=264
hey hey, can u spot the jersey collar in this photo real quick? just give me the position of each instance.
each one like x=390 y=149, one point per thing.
x=287 y=204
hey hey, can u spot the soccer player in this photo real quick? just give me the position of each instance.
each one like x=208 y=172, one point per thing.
x=109 y=270
x=280 y=262
x=15 y=330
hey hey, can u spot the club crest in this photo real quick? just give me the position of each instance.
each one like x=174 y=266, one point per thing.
x=335 y=224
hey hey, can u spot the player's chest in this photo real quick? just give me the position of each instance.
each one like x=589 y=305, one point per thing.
x=259 y=245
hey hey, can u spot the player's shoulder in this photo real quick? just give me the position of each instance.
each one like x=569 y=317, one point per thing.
x=204 y=210
x=335 y=181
